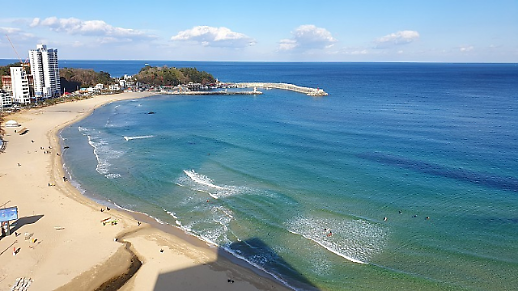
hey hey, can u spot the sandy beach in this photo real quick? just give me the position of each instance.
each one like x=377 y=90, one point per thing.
x=65 y=242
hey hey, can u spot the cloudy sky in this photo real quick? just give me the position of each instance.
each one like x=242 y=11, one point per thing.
x=281 y=30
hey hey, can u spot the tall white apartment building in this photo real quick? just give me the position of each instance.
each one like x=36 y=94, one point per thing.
x=45 y=70
x=20 y=85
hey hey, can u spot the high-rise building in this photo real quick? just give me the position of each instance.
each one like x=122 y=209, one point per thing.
x=45 y=71
x=20 y=85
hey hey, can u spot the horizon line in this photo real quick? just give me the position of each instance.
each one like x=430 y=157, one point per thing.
x=241 y=61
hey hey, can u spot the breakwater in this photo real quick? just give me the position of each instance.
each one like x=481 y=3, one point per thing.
x=284 y=86
x=255 y=92
x=267 y=86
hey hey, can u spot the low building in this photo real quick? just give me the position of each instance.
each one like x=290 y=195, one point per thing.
x=6 y=100
x=114 y=87
x=6 y=83
x=20 y=86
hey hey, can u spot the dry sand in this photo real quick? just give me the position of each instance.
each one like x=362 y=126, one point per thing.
x=69 y=247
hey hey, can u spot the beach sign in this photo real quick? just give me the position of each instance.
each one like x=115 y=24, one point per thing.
x=7 y=214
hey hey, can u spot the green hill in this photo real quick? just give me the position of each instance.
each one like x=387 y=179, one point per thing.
x=165 y=76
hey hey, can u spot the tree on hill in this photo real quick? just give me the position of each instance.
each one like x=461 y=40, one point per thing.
x=196 y=76
x=71 y=78
x=165 y=76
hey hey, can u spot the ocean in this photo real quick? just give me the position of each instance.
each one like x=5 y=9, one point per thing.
x=404 y=177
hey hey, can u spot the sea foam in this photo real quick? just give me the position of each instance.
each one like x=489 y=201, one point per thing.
x=103 y=153
x=128 y=138
x=355 y=240
x=202 y=183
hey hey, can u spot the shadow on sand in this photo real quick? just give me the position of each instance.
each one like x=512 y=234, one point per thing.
x=195 y=278
x=24 y=221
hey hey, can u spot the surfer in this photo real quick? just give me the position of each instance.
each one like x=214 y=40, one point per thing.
x=330 y=234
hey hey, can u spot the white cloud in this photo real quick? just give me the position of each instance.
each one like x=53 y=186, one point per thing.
x=308 y=37
x=15 y=34
x=214 y=37
x=400 y=37
x=77 y=44
x=88 y=27
x=287 y=44
x=466 y=48
x=354 y=51
x=9 y=30
x=362 y=52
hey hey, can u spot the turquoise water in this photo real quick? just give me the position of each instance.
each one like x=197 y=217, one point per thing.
x=430 y=147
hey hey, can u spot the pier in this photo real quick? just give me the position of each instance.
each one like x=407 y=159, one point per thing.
x=284 y=86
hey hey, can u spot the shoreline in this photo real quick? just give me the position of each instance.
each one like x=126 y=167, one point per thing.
x=83 y=248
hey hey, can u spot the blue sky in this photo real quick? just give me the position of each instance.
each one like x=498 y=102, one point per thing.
x=406 y=31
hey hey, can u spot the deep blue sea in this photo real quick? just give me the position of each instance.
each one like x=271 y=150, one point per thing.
x=412 y=167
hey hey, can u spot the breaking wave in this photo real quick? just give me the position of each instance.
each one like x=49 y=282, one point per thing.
x=356 y=240
x=202 y=183
x=128 y=138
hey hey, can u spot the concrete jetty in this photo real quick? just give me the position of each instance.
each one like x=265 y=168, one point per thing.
x=255 y=92
x=267 y=86
x=284 y=86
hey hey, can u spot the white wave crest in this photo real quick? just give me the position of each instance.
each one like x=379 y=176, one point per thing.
x=113 y=176
x=172 y=214
x=103 y=153
x=202 y=183
x=128 y=138
x=355 y=240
